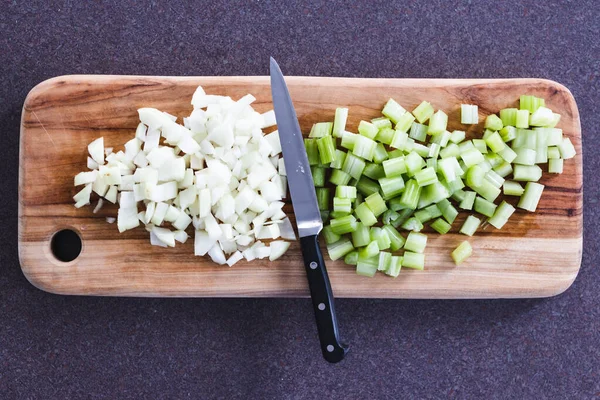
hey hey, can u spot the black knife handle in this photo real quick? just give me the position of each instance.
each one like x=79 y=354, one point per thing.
x=322 y=299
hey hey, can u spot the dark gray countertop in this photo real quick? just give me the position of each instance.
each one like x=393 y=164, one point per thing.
x=81 y=347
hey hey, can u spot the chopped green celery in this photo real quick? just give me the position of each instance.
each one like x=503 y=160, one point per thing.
x=318 y=175
x=353 y=166
x=531 y=196
x=495 y=142
x=342 y=205
x=542 y=135
x=339 y=249
x=541 y=155
x=394 y=266
x=365 y=215
x=381 y=237
x=458 y=195
x=416 y=242
x=494 y=178
x=348 y=140
x=423 y=215
x=457 y=136
x=504 y=169
x=339 y=121
x=321 y=129
x=441 y=138
x=404 y=122
x=410 y=196
x=448 y=211
x=400 y=140
x=369 y=251
x=480 y=145
x=454 y=186
x=384 y=261
x=501 y=216
x=337 y=214
x=420 y=149
x=385 y=135
x=493 y=122
x=412 y=224
x=394 y=167
x=434 y=151
x=522 y=120
x=494 y=159
x=345 y=192
x=367 y=186
x=376 y=204
x=472 y=157
x=413 y=260
x=433 y=194
x=469 y=114
x=423 y=111
x=404 y=216
x=426 y=176
x=312 y=151
x=329 y=235
x=380 y=154
x=324 y=216
x=338 y=160
x=466 y=145
x=511 y=188
x=530 y=103
x=525 y=156
x=367 y=129
x=395 y=153
x=555 y=120
x=508 y=133
x=531 y=173
x=343 y=225
x=475 y=176
x=361 y=236
x=462 y=252
x=364 y=147
x=484 y=207
x=468 y=201
x=434 y=211
x=418 y=131
x=393 y=110
x=432 y=163
x=508 y=116
x=339 y=177
x=414 y=163
x=437 y=123
x=541 y=117
x=470 y=226
x=389 y=216
x=326 y=147
x=554 y=136
x=366 y=269
x=555 y=166
x=485 y=165
x=440 y=226
x=374 y=171
x=323 y=195
x=486 y=133
x=508 y=154
x=351 y=258
x=391 y=187
x=396 y=240
x=566 y=149
x=381 y=122
x=487 y=190
x=526 y=138
x=452 y=150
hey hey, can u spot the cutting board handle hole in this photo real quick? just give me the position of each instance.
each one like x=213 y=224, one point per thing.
x=65 y=245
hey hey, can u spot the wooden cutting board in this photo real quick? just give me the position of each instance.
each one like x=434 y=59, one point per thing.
x=534 y=255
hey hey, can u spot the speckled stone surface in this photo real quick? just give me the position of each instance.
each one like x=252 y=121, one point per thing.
x=54 y=347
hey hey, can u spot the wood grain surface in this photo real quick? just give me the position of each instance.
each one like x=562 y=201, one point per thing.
x=534 y=255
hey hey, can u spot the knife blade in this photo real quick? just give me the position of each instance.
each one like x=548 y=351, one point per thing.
x=308 y=216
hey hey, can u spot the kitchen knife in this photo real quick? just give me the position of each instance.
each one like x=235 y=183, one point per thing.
x=308 y=216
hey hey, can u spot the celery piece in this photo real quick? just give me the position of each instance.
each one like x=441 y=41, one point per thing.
x=472 y=157
x=394 y=167
x=468 y=201
x=326 y=147
x=367 y=129
x=329 y=235
x=323 y=195
x=469 y=114
x=385 y=135
x=494 y=159
x=566 y=149
x=432 y=163
x=530 y=103
x=394 y=267
x=426 y=176
x=441 y=138
x=343 y=225
x=480 y=145
x=541 y=155
x=339 y=249
x=410 y=196
x=325 y=216
x=312 y=151
x=462 y=252
x=434 y=150
x=391 y=187
x=448 y=211
x=501 y=216
x=367 y=186
x=396 y=240
x=339 y=121
x=487 y=133
x=555 y=166
x=487 y=190
x=470 y=226
x=380 y=154
x=423 y=111
x=493 y=122
x=531 y=173
x=339 y=177
x=416 y=242
x=508 y=133
x=413 y=260
x=484 y=207
x=374 y=171
x=369 y=251
x=404 y=122
x=541 y=117
x=405 y=214
x=458 y=195
x=389 y=216
x=400 y=140
x=342 y=205
x=495 y=142
x=504 y=169
x=475 y=176
x=364 y=147
x=348 y=140
x=420 y=149
x=412 y=224
x=423 y=216
x=437 y=123
x=522 y=120
x=531 y=196
x=526 y=138
x=376 y=204
x=337 y=214
x=338 y=160
x=365 y=215
x=433 y=194
x=361 y=237
x=414 y=163
x=381 y=122
x=511 y=188
x=457 y=136
x=508 y=116
x=393 y=110
x=418 y=132
x=321 y=129
x=454 y=186
x=434 y=211
x=494 y=178
x=525 y=156
x=384 y=261
x=351 y=258
x=555 y=120
x=381 y=237
x=555 y=136
x=508 y=154
x=366 y=269
x=452 y=150
x=440 y=226
x=353 y=166
x=345 y=192
x=318 y=175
